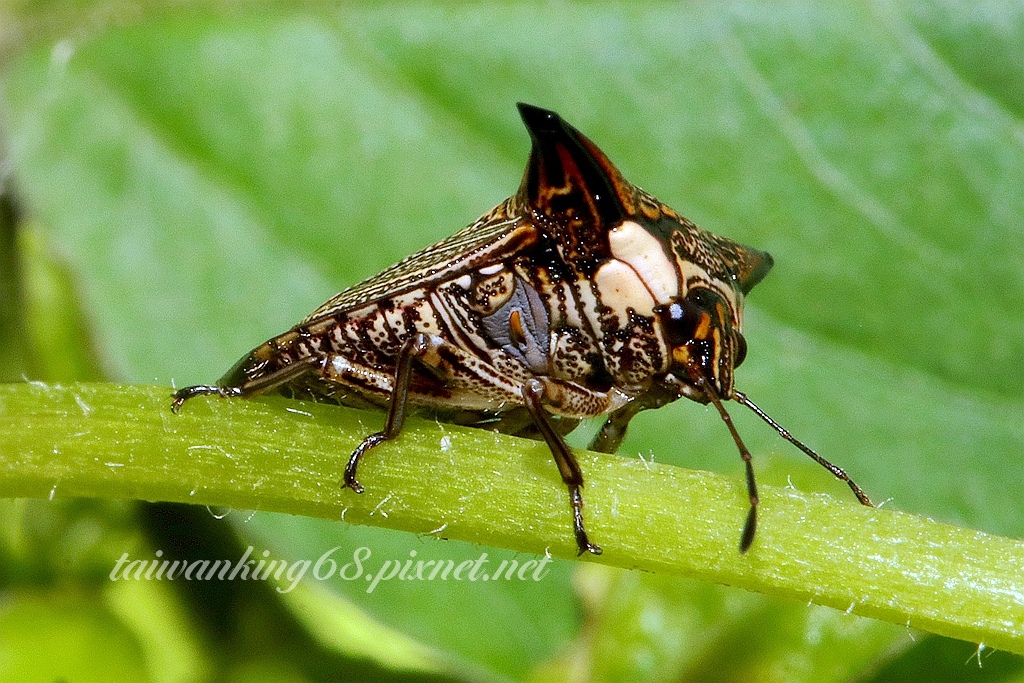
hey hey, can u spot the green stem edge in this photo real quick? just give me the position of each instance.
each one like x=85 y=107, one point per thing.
x=123 y=442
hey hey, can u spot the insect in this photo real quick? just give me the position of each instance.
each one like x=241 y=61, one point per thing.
x=580 y=296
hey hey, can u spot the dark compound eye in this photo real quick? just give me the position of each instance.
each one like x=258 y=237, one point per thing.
x=702 y=298
x=679 y=319
x=741 y=350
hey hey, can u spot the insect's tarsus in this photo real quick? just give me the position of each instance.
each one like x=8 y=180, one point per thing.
x=838 y=472
x=262 y=384
x=182 y=395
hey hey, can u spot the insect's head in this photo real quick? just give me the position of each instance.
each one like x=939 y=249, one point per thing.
x=643 y=258
x=702 y=338
x=703 y=326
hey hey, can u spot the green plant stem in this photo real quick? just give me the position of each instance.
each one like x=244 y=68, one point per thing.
x=117 y=441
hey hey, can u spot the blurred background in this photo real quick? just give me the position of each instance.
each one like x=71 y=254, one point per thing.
x=180 y=181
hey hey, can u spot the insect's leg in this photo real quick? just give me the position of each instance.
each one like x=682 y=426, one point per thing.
x=613 y=431
x=413 y=348
x=461 y=370
x=609 y=438
x=263 y=383
x=533 y=395
x=750 y=526
x=529 y=430
x=838 y=472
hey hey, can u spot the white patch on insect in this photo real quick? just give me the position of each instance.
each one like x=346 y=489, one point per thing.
x=466 y=281
x=341 y=365
x=631 y=243
x=395 y=319
x=380 y=328
x=572 y=314
x=588 y=302
x=425 y=312
x=621 y=288
x=492 y=270
x=617 y=399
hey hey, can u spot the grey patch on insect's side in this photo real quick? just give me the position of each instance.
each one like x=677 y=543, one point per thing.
x=534 y=351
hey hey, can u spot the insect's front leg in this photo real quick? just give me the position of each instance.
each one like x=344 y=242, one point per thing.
x=613 y=431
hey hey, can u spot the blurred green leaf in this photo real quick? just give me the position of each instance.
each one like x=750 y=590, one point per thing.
x=211 y=178
x=60 y=637
x=12 y=363
x=168 y=637
x=59 y=346
x=474 y=620
x=646 y=627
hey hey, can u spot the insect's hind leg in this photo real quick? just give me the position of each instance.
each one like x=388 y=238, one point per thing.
x=261 y=384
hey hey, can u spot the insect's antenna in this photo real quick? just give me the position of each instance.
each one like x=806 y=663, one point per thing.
x=750 y=526
x=836 y=471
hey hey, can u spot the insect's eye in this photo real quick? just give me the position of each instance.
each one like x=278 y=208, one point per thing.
x=679 y=319
x=702 y=298
x=741 y=350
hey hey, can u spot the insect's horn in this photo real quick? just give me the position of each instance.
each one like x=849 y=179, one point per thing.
x=568 y=176
x=753 y=265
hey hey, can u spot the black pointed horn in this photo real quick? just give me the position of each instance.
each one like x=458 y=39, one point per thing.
x=753 y=265
x=568 y=177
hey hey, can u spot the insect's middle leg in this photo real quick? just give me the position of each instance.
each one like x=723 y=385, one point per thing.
x=463 y=375
x=468 y=377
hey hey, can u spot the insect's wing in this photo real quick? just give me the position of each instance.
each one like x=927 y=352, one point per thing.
x=570 y=191
x=496 y=236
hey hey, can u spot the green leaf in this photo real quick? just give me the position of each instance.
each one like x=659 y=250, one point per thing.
x=51 y=638
x=211 y=179
x=11 y=361
x=444 y=613
x=648 y=627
